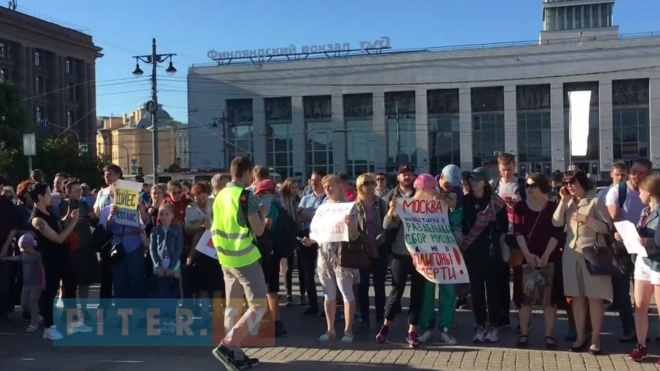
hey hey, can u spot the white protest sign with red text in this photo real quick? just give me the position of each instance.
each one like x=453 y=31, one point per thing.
x=328 y=223
x=205 y=245
x=431 y=242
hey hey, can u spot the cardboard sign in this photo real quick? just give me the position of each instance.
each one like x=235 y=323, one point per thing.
x=127 y=198
x=328 y=223
x=431 y=242
x=205 y=246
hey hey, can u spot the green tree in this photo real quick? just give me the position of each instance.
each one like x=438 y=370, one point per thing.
x=13 y=119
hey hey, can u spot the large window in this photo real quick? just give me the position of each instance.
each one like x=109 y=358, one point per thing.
x=319 y=147
x=239 y=129
x=630 y=100
x=67 y=65
x=487 y=124
x=594 y=121
x=319 y=133
x=279 y=137
x=359 y=140
x=358 y=114
x=401 y=130
x=37 y=59
x=4 y=75
x=534 y=137
x=444 y=129
x=3 y=50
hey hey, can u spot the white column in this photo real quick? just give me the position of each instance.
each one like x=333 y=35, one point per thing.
x=510 y=120
x=422 y=130
x=380 y=131
x=465 y=119
x=297 y=133
x=654 y=121
x=339 y=137
x=259 y=131
x=557 y=140
x=606 y=126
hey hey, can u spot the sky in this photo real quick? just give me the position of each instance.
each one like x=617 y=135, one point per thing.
x=190 y=28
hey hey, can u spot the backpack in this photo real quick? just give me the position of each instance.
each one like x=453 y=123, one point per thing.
x=623 y=193
x=265 y=241
x=287 y=231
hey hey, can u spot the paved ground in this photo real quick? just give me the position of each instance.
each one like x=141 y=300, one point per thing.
x=301 y=350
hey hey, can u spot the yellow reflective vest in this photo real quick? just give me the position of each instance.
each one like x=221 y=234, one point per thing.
x=234 y=242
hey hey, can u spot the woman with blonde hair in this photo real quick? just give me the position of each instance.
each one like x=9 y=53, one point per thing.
x=334 y=269
x=647 y=269
x=371 y=214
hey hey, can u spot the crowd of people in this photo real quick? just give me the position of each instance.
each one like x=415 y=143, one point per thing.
x=551 y=234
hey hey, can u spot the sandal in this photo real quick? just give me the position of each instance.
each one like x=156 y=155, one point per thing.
x=347 y=338
x=328 y=336
x=523 y=341
x=550 y=343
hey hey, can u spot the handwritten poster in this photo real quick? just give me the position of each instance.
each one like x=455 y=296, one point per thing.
x=127 y=197
x=328 y=223
x=205 y=245
x=430 y=240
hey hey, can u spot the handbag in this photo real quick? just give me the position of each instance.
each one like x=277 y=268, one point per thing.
x=353 y=255
x=601 y=259
x=517 y=256
x=115 y=253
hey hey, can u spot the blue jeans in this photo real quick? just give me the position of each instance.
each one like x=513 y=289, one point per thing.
x=163 y=294
x=128 y=276
x=379 y=272
x=621 y=290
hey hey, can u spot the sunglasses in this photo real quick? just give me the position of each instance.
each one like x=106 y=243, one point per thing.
x=369 y=183
x=531 y=186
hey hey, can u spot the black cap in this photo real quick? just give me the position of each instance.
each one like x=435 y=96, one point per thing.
x=404 y=168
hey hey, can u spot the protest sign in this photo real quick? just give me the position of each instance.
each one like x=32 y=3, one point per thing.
x=127 y=198
x=328 y=223
x=430 y=240
x=205 y=245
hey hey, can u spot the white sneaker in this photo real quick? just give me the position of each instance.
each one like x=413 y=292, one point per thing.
x=480 y=336
x=425 y=336
x=447 y=338
x=80 y=328
x=51 y=333
x=492 y=336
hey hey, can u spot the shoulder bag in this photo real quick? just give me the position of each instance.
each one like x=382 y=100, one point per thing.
x=600 y=258
x=517 y=257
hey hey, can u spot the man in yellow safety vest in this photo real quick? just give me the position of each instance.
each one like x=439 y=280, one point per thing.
x=237 y=220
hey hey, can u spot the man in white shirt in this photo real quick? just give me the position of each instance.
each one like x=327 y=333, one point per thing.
x=618 y=174
x=623 y=203
x=512 y=190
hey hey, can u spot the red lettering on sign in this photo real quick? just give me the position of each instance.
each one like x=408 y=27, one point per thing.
x=422 y=206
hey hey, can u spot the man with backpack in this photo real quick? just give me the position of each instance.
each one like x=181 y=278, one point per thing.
x=234 y=231
x=623 y=203
x=512 y=190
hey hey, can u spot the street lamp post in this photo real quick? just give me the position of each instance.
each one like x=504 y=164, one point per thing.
x=152 y=107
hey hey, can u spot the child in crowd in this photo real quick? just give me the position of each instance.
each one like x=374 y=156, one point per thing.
x=166 y=246
x=33 y=277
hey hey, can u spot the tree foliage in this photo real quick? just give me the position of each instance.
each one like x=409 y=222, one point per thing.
x=54 y=155
x=13 y=119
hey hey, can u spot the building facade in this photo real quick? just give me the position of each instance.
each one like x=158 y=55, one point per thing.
x=127 y=141
x=55 y=68
x=432 y=107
